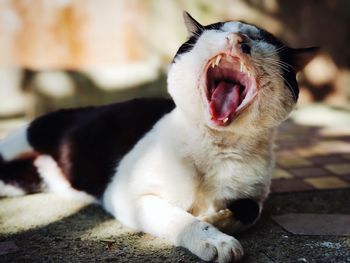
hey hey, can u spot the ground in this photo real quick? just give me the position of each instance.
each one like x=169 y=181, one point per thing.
x=312 y=176
x=49 y=228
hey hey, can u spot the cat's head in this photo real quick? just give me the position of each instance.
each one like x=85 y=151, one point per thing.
x=233 y=75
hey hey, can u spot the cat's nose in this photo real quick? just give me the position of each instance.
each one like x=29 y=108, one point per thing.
x=234 y=38
x=238 y=41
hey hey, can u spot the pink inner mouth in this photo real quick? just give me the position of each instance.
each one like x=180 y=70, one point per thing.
x=230 y=88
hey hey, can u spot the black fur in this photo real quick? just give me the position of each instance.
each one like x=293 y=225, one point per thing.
x=88 y=143
x=244 y=210
x=245 y=48
x=215 y=26
x=188 y=45
x=21 y=173
x=285 y=55
x=289 y=74
x=268 y=38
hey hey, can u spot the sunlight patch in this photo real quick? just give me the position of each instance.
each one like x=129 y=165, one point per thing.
x=23 y=213
x=107 y=231
x=321 y=115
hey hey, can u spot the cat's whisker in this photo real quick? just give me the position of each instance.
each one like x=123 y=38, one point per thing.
x=281 y=64
x=288 y=84
x=279 y=61
x=275 y=52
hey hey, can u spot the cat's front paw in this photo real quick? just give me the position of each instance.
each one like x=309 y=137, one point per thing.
x=210 y=244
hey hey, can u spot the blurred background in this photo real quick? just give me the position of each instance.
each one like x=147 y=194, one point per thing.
x=68 y=53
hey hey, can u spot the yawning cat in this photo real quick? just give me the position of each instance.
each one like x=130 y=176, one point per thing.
x=193 y=172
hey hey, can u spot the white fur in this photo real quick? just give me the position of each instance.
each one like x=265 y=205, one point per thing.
x=139 y=172
x=10 y=190
x=203 y=239
x=187 y=164
x=238 y=26
x=15 y=144
x=11 y=147
x=55 y=181
x=156 y=183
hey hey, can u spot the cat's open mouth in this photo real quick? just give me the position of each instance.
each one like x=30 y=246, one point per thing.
x=230 y=87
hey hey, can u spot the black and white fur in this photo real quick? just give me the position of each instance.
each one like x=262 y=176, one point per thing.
x=163 y=169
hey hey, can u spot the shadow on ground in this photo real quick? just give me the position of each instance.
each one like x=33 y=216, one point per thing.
x=88 y=234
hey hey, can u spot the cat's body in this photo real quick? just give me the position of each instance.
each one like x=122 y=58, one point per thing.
x=174 y=172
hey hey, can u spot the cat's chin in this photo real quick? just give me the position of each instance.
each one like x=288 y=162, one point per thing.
x=229 y=85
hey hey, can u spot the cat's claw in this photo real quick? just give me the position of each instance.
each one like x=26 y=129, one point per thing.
x=228 y=250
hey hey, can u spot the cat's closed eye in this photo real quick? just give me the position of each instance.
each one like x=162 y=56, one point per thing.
x=256 y=37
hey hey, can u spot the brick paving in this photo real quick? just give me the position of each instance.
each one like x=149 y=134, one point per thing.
x=310 y=159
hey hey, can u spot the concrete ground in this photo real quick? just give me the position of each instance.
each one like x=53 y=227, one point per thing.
x=51 y=228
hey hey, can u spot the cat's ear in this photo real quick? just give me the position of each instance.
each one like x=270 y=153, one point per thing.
x=193 y=27
x=300 y=57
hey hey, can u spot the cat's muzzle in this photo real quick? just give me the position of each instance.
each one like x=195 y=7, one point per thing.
x=230 y=86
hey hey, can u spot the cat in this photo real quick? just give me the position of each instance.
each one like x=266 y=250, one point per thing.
x=195 y=169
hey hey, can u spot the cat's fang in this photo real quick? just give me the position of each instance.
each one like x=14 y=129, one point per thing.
x=245 y=70
x=229 y=88
x=217 y=61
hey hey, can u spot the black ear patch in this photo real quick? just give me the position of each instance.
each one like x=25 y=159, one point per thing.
x=295 y=59
x=195 y=30
x=186 y=47
x=300 y=57
x=244 y=210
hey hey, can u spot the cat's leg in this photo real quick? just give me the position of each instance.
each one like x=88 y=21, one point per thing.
x=157 y=217
x=238 y=216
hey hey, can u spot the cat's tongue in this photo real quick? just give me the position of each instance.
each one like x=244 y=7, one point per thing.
x=224 y=100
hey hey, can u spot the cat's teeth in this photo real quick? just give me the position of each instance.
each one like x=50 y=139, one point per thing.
x=245 y=70
x=217 y=61
x=225 y=120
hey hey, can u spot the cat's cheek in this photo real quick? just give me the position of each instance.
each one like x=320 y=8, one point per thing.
x=182 y=86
